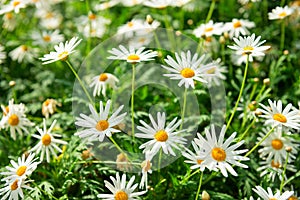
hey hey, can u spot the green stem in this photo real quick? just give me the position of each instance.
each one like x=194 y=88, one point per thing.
x=223 y=52
x=211 y=10
x=159 y=160
x=189 y=176
x=132 y=101
x=240 y=95
x=282 y=35
x=261 y=141
x=106 y=162
x=183 y=108
x=80 y=82
x=169 y=30
x=282 y=3
x=199 y=186
x=116 y=145
x=260 y=92
x=283 y=172
x=246 y=131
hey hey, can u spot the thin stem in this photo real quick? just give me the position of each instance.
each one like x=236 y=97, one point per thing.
x=282 y=35
x=246 y=131
x=282 y=3
x=211 y=10
x=283 y=172
x=107 y=162
x=46 y=193
x=261 y=141
x=192 y=174
x=159 y=160
x=183 y=108
x=240 y=95
x=80 y=82
x=132 y=101
x=116 y=145
x=199 y=186
x=260 y=92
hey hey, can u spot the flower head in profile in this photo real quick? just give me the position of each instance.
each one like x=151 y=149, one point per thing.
x=14 y=5
x=132 y=55
x=195 y=158
x=20 y=170
x=161 y=136
x=23 y=53
x=102 y=82
x=120 y=190
x=280 y=13
x=238 y=27
x=49 y=107
x=274 y=146
x=267 y=195
x=187 y=69
x=62 y=51
x=276 y=116
x=249 y=45
x=216 y=73
x=218 y=154
x=99 y=125
x=47 y=142
x=146 y=168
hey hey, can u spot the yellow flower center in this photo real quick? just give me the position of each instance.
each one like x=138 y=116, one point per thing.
x=92 y=16
x=47 y=102
x=13 y=120
x=199 y=161
x=280 y=117
x=277 y=144
x=211 y=71
x=103 y=77
x=208 y=29
x=121 y=195
x=49 y=15
x=130 y=24
x=14 y=186
x=46 y=139
x=63 y=56
x=248 y=48
x=9 y=15
x=47 y=38
x=187 y=73
x=161 y=136
x=283 y=14
x=237 y=24
x=218 y=154
x=146 y=165
x=133 y=57
x=102 y=125
x=16 y=3
x=273 y=198
x=24 y=48
x=275 y=165
x=21 y=170
x=293 y=198
x=208 y=39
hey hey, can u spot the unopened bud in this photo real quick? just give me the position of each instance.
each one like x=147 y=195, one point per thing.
x=222 y=40
x=12 y=83
x=286 y=52
x=288 y=149
x=226 y=35
x=149 y=19
x=266 y=81
x=257 y=112
x=205 y=195
x=190 y=22
x=255 y=80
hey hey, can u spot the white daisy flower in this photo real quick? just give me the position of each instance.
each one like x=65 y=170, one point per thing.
x=47 y=37
x=15 y=119
x=23 y=53
x=106 y=5
x=130 y=27
x=267 y=195
x=22 y=169
x=99 y=125
x=146 y=168
x=120 y=190
x=12 y=190
x=48 y=142
x=244 y=2
x=218 y=154
x=238 y=27
x=14 y=5
x=250 y=46
x=102 y=81
x=273 y=169
x=196 y=159
x=49 y=19
x=2 y=54
x=161 y=137
x=49 y=107
x=130 y=3
x=274 y=146
x=9 y=21
x=280 y=13
x=187 y=69
x=161 y=4
x=209 y=29
x=275 y=116
x=217 y=71
x=132 y=55
x=62 y=51
x=180 y=3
